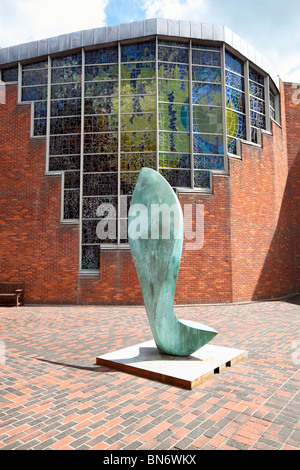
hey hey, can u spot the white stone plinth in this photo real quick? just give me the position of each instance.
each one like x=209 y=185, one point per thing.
x=145 y=360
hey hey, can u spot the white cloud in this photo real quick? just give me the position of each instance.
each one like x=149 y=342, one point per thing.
x=38 y=19
x=192 y=10
x=273 y=32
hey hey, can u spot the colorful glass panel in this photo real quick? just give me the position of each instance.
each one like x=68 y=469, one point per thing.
x=173 y=91
x=235 y=100
x=177 y=178
x=10 y=75
x=144 y=51
x=101 y=88
x=233 y=64
x=174 y=160
x=234 y=80
x=101 y=123
x=174 y=71
x=174 y=117
x=205 y=57
x=136 y=161
x=138 y=87
x=138 y=70
x=90 y=257
x=236 y=124
x=208 y=162
x=138 y=104
x=66 y=74
x=99 y=163
x=208 y=144
x=101 y=72
x=106 y=55
x=173 y=54
x=207 y=119
x=207 y=94
x=206 y=74
x=174 y=142
x=138 y=121
x=202 y=179
x=138 y=141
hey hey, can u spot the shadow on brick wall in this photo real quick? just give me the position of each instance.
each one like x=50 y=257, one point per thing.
x=281 y=271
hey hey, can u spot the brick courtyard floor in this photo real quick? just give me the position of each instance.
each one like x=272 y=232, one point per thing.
x=54 y=396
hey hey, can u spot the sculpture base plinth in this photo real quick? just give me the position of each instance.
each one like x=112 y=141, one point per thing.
x=145 y=360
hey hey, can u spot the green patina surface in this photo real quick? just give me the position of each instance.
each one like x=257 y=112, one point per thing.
x=157 y=263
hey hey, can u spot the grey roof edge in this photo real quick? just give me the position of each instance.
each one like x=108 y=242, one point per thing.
x=137 y=29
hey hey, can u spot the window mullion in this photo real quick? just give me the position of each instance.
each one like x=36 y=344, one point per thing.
x=247 y=101
x=157 y=106
x=119 y=145
x=81 y=157
x=191 y=113
x=267 y=103
x=224 y=116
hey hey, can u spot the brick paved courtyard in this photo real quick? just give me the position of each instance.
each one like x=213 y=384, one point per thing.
x=54 y=396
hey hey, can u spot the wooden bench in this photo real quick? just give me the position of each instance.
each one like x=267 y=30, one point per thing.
x=11 y=293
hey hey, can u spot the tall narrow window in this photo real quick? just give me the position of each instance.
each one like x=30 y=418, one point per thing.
x=272 y=105
x=257 y=103
x=207 y=113
x=174 y=113
x=10 y=75
x=65 y=128
x=100 y=154
x=137 y=120
x=235 y=101
x=34 y=88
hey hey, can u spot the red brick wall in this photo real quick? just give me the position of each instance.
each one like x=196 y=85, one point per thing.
x=292 y=98
x=35 y=247
x=205 y=274
x=249 y=224
x=117 y=283
x=262 y=236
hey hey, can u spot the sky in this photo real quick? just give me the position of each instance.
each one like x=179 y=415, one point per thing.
x=270 y=26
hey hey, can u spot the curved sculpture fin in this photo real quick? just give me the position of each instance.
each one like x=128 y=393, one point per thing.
x=155 y=233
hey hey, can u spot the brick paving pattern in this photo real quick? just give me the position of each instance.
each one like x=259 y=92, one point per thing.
x=54 y=396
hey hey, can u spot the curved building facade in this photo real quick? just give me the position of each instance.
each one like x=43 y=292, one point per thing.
x=82 y=113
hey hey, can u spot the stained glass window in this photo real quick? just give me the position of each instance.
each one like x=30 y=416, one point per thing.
x=173 y=91
x=207 y=94
x=175 y=160
x=272 y=106
x=177 y=178
x=65 y=128
x=206 y=57
x=107 y=55
x=173 y=71
x=235 y=101
x=137 y=117
x=208 y=144
x=207 y=113
x=208 y=119
x=174 y=142
x=206 y=74
x=233 y=64
x=174 y=117
x=34 y=88
x=174 y=113
x=257 y=103
x=10 y=75
x=144 y=51
x=202 y=179
x=100 y=152
x=109 y=115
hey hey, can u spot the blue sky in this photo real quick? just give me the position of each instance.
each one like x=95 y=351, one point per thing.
x=271 y=26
